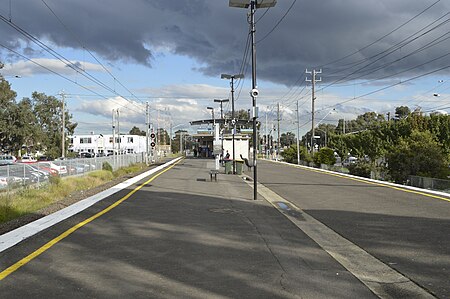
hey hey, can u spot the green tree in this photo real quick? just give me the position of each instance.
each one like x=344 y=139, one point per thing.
x=136 y=131
x=48 y=112
x=241 y=114
x=325 y=156
x=290 y=154
x=287 y=139
x=7 y=104
x=402 y=112
x=420 y=154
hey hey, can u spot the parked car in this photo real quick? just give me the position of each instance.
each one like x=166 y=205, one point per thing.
x=86 y=155
x=27 y=159
x=349 y=161
x=7 y=160
x=45 y=158
x=62 y=170
x=49 y=171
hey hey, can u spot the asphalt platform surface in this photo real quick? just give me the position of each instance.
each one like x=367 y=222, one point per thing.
x=179 y=236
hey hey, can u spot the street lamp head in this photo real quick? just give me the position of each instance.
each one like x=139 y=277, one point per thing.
x=226 y=76
x=436 y=95
x=221 y=100
x=211 y=108
x=246 y=3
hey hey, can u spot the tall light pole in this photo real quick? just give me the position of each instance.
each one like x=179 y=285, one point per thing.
x=233 y=119
x=221 y=101
x=212 y=114
x=254 y=92
x=298 y=136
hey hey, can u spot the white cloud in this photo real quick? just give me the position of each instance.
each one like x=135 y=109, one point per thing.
x=25 y=68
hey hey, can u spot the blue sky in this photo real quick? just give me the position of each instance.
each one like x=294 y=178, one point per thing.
x=174 y=59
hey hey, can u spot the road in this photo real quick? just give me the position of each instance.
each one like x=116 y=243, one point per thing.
x=407 y=231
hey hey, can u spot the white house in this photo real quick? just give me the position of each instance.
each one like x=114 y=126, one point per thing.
x=103 y=144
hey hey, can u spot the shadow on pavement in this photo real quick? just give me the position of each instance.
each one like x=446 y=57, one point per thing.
x=176 y=245
x=424 y=257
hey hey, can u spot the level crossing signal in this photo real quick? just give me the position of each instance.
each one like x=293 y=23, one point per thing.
x=153 y=140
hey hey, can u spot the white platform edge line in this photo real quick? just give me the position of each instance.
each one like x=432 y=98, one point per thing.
x=13 y=237
x=433 y=192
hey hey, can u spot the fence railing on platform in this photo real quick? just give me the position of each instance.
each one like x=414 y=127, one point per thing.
x=25 y=174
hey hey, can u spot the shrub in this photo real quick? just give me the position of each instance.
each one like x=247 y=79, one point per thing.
x=106 y=166
x=362 y=169
x=325 y=156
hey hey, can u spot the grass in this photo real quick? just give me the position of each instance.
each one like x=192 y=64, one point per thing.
x=26 y=201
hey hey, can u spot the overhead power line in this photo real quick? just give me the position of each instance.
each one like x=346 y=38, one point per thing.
x=85 y=48
x=381 y=38
x=278 y=23
x=64 y=77
x=63 y=59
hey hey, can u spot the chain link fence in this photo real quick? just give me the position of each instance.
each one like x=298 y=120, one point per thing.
x=429 y=183
x=26 y=174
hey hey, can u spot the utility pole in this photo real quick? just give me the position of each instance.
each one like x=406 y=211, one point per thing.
x=118 y=134
x=147 y=121
x=114 y=135
x=63 y=136
x=158 y=138
x=313 y=81
x=267 y=137
x=278 y=129
x=170 y=136
x=298 y=137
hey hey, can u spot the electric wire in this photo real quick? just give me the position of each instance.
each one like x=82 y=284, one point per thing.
x=64 y=77
x=63 y=59
x=278 y=23
x=85 y=48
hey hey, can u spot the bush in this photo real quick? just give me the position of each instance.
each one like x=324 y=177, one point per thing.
x=362 y=169
x=325 y=156
x=106 y=166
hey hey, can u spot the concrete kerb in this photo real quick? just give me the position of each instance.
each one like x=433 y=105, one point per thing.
x=13 y=237
x=432 y=192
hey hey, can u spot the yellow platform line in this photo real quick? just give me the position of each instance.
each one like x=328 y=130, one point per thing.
x=11 y=269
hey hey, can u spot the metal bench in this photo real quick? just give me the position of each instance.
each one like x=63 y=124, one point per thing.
x=214 y=173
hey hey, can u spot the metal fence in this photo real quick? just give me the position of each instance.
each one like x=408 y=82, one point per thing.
x=25 y=174
x=429 y=183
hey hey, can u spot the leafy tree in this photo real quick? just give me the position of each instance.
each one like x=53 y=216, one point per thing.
x=337 y=142
x=325 y=156
x=26 y=133
x=420 y=154
x=136 y=131
x=163 y=136
x=48 y=112
x=7 y=104
x=402 y=112
x=290 y=154
x=187 y=143
x=287 y=139
x=238 y=114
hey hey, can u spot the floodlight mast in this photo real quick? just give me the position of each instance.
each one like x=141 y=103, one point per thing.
x=253 y=6
x=233 y=120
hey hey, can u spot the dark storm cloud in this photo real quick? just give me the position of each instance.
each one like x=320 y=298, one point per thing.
x=312 y=34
